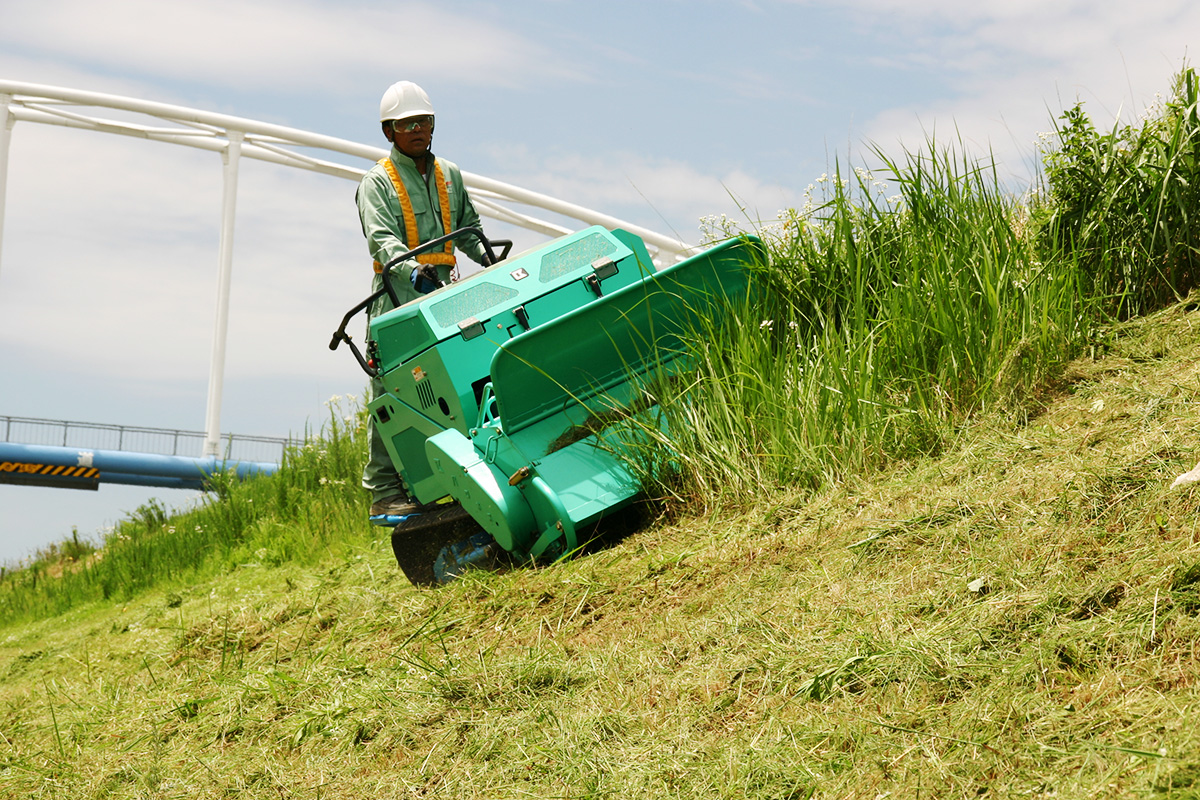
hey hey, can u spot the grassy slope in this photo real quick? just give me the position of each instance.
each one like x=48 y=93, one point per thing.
x=829 y=646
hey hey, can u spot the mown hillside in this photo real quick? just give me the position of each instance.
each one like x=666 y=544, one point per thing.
x=1017 y=617
x=912 y=533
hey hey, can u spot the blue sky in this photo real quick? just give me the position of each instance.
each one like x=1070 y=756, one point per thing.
x=660 y=112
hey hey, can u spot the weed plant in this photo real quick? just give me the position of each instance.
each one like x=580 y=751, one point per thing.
x=885 y=321
x=1123 y=204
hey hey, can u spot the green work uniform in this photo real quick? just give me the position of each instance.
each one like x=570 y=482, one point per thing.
x=382 y=218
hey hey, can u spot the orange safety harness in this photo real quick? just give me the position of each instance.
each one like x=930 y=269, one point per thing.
x=411 y=235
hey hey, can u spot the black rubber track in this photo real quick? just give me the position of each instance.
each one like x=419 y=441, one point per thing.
x=417 y=540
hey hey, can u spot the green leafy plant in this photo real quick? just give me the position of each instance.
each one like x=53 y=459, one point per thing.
x=1123 y=204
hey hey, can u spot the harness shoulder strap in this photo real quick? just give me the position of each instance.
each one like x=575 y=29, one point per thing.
x=411 y=234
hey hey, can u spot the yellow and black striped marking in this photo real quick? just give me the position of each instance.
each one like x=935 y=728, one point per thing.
x=48 y=474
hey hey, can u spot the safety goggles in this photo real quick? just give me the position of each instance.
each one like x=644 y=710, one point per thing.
x=413 y=123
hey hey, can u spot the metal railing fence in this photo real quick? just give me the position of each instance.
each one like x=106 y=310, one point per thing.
x=138 y=439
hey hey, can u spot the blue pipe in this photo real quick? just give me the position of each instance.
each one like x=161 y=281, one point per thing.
x=113 y=466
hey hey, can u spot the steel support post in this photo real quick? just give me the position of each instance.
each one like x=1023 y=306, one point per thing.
x=216 y=376
x=7 y=120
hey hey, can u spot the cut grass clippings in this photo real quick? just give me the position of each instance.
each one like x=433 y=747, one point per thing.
x=1014 y=618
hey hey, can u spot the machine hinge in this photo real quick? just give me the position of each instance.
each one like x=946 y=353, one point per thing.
x=602 y=268
x=470 y=328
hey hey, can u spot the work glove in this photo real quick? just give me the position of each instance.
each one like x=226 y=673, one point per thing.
x=425 y=278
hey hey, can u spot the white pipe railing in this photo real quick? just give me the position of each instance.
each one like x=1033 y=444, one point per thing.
x=236 y=138
x=268 y=142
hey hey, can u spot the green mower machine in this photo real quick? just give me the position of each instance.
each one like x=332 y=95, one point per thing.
x=497 y=388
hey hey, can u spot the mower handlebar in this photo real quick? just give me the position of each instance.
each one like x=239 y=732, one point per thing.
x=489 y=257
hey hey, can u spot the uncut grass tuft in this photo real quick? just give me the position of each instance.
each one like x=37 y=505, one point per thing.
x=879 y=326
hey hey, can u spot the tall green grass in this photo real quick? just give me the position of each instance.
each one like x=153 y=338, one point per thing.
x=902 y=302
x=881 y=322
x=311 y=508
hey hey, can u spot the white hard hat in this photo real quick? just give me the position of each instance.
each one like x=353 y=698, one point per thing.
x=402 y=100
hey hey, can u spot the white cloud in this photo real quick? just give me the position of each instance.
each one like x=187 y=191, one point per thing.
x=658 y=193
x=1014 y=66
x=132 y=228
x=995 y=39
x=295 y=47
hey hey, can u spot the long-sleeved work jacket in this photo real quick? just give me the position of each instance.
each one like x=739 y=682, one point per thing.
x=383 y=225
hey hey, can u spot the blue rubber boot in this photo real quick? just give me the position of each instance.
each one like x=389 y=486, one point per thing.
x=393 y=510
x=391 y=520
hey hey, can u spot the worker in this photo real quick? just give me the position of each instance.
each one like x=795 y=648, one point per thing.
x=408 y=198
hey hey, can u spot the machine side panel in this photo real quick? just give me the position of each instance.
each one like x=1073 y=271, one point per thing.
x=404 y=430
x=589 y=481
